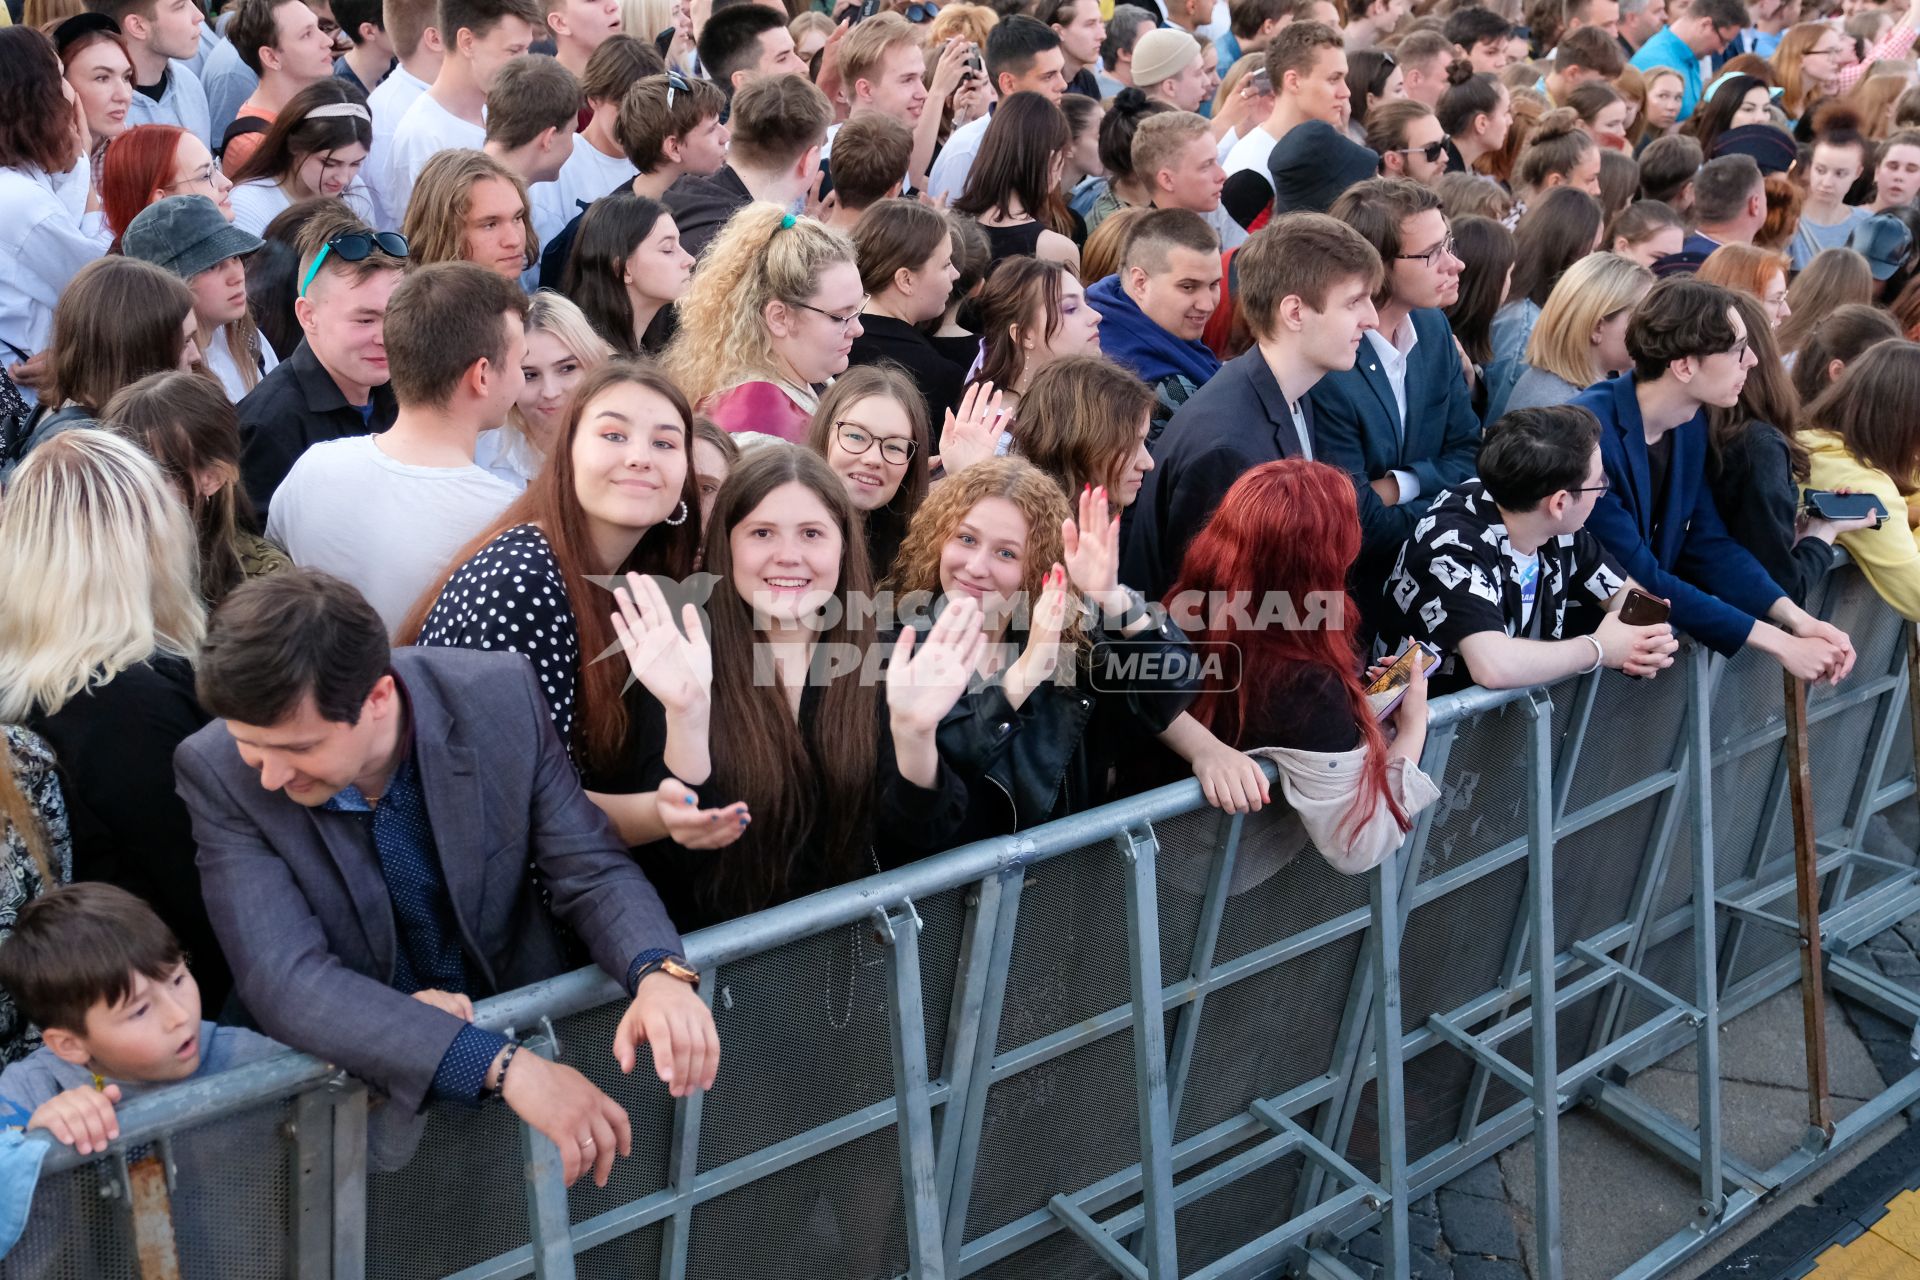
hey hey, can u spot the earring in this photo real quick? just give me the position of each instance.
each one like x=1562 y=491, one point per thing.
x=679 y=516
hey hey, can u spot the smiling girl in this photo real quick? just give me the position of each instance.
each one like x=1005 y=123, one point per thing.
x=871 y=428
x=314 y=148
x=562 y=349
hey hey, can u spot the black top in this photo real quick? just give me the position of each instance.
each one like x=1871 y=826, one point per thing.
x=1309 y=712
x=701 y=206
x=960 y=350
x=295 y=407
x=115 y=745
x=1753 y=485
x=940 y=380
x=1012 y=242
x=1085 y=83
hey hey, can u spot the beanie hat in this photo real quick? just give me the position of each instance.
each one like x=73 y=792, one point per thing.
x=1162 y=54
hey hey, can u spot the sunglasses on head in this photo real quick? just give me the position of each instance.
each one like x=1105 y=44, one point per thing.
x=922 y=12
x=355 y=246
x=676 y=83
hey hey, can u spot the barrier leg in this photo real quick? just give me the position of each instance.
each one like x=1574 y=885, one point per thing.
x=960 y=1129
x=1384 y=945
x=1150 y=1053
x=1705 y=947
x=350 y=1184
x=546 y=1193
x=1806 y=876
x=1546 y=1056
x=913 y=1119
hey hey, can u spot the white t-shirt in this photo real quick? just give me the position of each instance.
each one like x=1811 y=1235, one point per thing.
x=424 y=132
x=588 y=174
x=259 y=202
x=220 y=363
x=1251 y=152
x=955 y=161
x=388 y=103
x=389 y=528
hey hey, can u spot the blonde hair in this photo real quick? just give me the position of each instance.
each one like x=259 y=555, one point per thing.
x=644 y=20
x=1589 y=291
x=98 y=571
x=559 y=315
x=763 y=254
x=970 y=22
x=436 y=225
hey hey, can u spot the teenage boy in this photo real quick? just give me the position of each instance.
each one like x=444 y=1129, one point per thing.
x=882 y=65
x=1587 y=55
x=1424 y=59
x=869 y=170
x=372 y=821
x=335 y=382
x=530 y=126
x=1023 y=55
x=598 y=163
x=455 y=334
x=1658 y=517
x=1481 y=36
x=1401 y=420
x=165 y=91
x=1490 y=573
x=371 y=60
x=746 y=43
x=1703 y=30
x=1306 y=290
x=1153 y=312
x=1081 y=30
x=412 y=27
x=481 y=37
x=282 y=43
x=1307 y=63
x=578 y=28
x=107 y=984
x=778 y=126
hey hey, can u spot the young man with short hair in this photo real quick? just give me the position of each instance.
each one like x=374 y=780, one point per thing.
x=1307 y=63
x=1082 y=31
x=371 y=59
x=870 y=167
x=1481 y=36
x=230 y=81
x=1022 y=56
x=480 y=37
x=1126 y=27
x=1589 y=54
x=373 y=821
x=578 y=27
x=454 y=334
x=1705 y=29
x=334 y=384
x=1154 y=310
x=1401 y=420
x=1306 y=291
x=1729 y=204
x=882 y=67
x=1410 y=142
x=1424 y=58
x=282 y=43
x=598 y=163
x=778 y=125
x=746 y=43
x=1168 y=67
x=412 y=28
x=1374 y=22
x=1658 y=516
x=1176 y=159
x=530 y=124
x=161 y=36
x=1488 y=576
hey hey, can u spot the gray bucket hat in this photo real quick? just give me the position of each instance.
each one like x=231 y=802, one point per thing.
x=186 y=235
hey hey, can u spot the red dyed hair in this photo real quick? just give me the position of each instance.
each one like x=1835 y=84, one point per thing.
x=1290 y=526
x=137 y=163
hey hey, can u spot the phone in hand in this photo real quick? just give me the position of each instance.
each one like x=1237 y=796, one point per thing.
x=1261 y=82
x=1642 y=610
x=1825 y=504
x=1385 y=693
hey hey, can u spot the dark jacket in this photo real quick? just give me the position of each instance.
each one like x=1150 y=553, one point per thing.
x=298 y=898
x=1682 y=551
x=115 y=744
x=1174 y=367
x=1356 y=427
x=939 y=379
x=1754 y=488
x=701 y=206
x=1233 y=424
x=295 y=407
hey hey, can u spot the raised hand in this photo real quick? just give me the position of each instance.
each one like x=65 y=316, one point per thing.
x=950 y=70
x=676 y=669
x=927 y=677
x=974 y=435
x=1093 y=551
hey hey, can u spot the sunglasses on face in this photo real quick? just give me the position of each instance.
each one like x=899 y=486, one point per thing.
x=355 y=246
x=1433 y=151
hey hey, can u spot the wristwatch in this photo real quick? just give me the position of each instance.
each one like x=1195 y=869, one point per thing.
x=671 y=965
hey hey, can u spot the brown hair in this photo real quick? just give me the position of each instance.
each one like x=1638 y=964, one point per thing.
x=1376 y=208
x=619 y=61
x=1768 y=400
x=1866 y=408
x=1296 y=47
x=888 y=380
x=436 y=225
x=776 y=120
x=870 y=158
x=895 y=235
x=441 y=320
x=328 y=219
x=1018 y=287
x=647 y=119
x=1303 y=255
x=80 y=945
x=1106 y=247
x=1159 y=138
x=1835 y=278
x=1387 y=124
x=1848 y=331
x=1557 y=146
x=407 y=22
x=36 y=123
x=118 y=320
x=533 y=93
x=279 y=638
x=1080 y=422
x=1015 y=163
x=866 y=45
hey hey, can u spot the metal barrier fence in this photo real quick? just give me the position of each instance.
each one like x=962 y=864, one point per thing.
x=1148 y=1039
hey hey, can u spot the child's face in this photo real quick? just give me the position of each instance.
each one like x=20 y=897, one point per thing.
x=151 y=1036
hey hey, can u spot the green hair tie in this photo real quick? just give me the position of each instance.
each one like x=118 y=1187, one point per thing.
x=786 y=221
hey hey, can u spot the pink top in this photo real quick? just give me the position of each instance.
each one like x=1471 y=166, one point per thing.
x=1893 y=44
x=765 y=407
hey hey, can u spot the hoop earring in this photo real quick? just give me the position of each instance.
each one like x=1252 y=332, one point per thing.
x=679 y=516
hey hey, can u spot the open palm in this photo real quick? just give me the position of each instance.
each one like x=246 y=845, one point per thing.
x=676 y=668
x=927 y=677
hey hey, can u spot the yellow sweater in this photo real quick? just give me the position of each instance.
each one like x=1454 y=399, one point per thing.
x=1889 y=555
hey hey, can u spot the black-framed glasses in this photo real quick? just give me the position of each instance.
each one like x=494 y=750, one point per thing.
x=842 y=321
x=355 y=246
x=856 y=439
x=1444 y=248
x=1604 y=485
x=1739 y=349
x=1433 y=152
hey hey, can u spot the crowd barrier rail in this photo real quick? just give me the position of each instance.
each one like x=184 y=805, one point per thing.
x=1150 y=1039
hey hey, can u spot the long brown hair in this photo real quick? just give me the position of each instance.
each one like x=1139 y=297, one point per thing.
x=119 y=320
x=1834 y=279
x=551 y=501
x=1768 y=396
x=863 y=382
x=1867 y=408
x=1016 y=162
x=802 y=781
x=1018 y=287
x=1080 y=421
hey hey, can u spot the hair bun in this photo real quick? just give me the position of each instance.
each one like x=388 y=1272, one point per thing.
x=1557 y=123
x=1459 y=71
x=1837 y=117
x=1130 y=101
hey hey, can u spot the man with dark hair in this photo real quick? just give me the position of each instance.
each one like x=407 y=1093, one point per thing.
x=530 y=125
x=779 y=124
x=1409 y=140
x=1022 y=55
x=282 y=43
x=1668 y=167
x=1153 y=312
x=1082 y=31
x=1481 y=36
x=1401 y=420
x=160 y=36
x=1729 y=204
x=1491 y=570
x=1705 y=30
x=1306 y=286
x=371 y=59
x=1588 y=54
x=869 y=169
x=745 y=43
x=1125 y=29
x=1658 y=517
x=374 y=822
x=455 y=336
x=598 y=162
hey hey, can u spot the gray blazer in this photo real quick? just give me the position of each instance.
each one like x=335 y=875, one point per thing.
x=298 y=901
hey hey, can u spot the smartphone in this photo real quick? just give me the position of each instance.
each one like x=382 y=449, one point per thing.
x=1261 y=81
x=1828 y=505
x=1642 y=610
x=975 y=67
x=1384 y=694
x=867 y=9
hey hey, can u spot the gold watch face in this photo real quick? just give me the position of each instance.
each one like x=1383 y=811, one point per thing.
x=681 y=970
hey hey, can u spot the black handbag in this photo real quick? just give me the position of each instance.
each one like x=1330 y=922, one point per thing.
x=16 y=416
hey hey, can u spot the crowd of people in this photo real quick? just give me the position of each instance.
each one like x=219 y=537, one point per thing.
x=490 y=486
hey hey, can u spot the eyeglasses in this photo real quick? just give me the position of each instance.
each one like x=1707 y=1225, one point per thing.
x=1443 y=249
x=1604 y=485
x=843 y=321
x=1831 y=51
x=854 y=438
x=202 y=178
x=1433 y=151
x=1738 y=350
x=355 y=246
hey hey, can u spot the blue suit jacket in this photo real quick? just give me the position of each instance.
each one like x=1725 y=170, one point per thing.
x=1356 y=427
x=1681 y=551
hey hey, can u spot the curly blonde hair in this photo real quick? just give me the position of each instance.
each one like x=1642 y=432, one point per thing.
x=761 y=255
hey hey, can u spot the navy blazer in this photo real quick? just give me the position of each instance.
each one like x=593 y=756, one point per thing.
x=1681 y=551
x=1236 y=421
x=1357 y=428
x=302 y=910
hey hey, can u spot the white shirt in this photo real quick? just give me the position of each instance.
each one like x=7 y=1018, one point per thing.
x=507 y=454
x=1393 y=362
x=220 y=363
x=388 y=103
x=182 y=102
x=1251 y=152
x=46 y=236
x=588 y=174
x=424 y=132
x=389 y=528
x=955 y=161
x=259 y=202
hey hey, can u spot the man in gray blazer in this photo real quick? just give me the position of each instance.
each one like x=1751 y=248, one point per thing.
x=369 y=825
